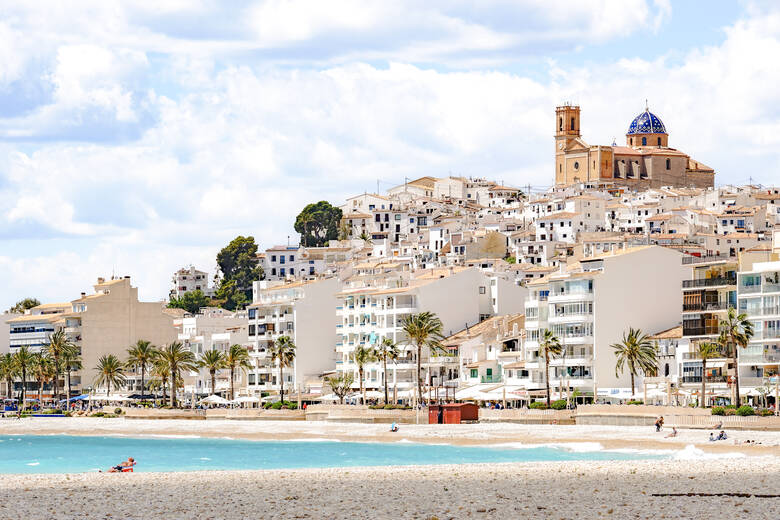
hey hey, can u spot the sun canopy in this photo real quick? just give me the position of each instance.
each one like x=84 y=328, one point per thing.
x=245 y=399
x=214 y=399
x=82 y=397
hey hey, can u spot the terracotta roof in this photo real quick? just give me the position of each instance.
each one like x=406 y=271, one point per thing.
x=673 y=333
x=561 y=214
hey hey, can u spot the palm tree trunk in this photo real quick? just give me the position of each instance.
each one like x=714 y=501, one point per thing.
x=736 y=375
x=108 y=390
x=143 y=373
x=56 y=376
x=281 y=383
x=232 y=388
x=173 y=386
x=24 y=385
x=547 y=376
x=67 y=394
x=362 y=390
x=40 y=392
x=384 y=374
x=703 y=399
x=632 y=385
x=213 y=381
x=419 y=372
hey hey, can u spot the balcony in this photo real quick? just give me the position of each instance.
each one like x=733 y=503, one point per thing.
x=702 y=259
x=708 y=306
x=708 y=282
x=491 y=379
x=721 y=354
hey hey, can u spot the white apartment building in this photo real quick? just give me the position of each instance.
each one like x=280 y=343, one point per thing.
x=590 y=305
x=213 y=329
x=304 y=311
x=188 y=279
x=372 y=307
x=33 y=328
x=758 y=292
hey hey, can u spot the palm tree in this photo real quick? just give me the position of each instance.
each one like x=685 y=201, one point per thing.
x=160 y=372
x=340 y=385
x=637 y=353
x=385 y=350
x=58 y=343
x=8 y=372
x=71 y=361
x=736 y=330
x=23 y=361
x=283 y=353
x=213 y=360
x=706 y=350
x=424 y=330
x=549 y=347
x=142 y=355
x=43 y=369
x=237 y=358
x=362 y=356
x=110 y=371
x=179 y=359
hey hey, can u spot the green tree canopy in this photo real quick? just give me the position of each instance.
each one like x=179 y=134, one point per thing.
x=191 y=301
x=317 y=223
x=240 y=267
x=23 y=305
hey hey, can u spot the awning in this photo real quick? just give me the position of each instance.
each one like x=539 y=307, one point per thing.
x=517 y=364
x=478 y=364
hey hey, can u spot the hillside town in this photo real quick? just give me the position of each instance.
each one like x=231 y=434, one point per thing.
x=537 y=295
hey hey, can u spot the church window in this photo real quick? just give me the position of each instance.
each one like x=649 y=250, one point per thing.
x=560 y=124
x=631 y=141
x=644 y=141
x=560 y=169
x=659 y=141
x=668 y=164
x=576 y=165
x=572 y=123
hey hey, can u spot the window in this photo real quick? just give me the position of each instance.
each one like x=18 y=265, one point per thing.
x=273 y=271
x=252 y=313
x=560 y=124
x=576 y=165
x=560 y=169
x=251 y=330
x=474 y=373
x=482 y=289
x=398 y=216
x=631 y=141
x=281 y=272
x=311 y=270
x=273 y=258
x=281 y=259
x=644 y=141
x=292 y=258
x=571 y=124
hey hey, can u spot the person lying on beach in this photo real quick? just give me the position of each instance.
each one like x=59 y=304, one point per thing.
x=129 y=463
x=718 y=426
x=673 y=434
x=394 y=427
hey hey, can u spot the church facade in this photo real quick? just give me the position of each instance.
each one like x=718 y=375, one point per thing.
x=646 y=161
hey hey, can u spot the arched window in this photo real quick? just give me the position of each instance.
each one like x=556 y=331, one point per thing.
x=572 y=123
x=644 y=141
x=668 y=164
x=666 y=370
x=659 y=141
x=631 y=141
x=560 y=167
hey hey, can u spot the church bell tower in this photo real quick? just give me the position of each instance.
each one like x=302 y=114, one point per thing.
x=567 y=127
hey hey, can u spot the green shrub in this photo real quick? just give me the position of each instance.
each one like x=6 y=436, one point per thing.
x=765 y=412
x=718 y=410
x=745 y=410
x=730 y=406
x=560 y=404
x=117 y=411
x=731 y=411
x=636 y=402
x=98 y=414
x=538 y=405
x=291 y=406
x=277 y=405
x=109 y=416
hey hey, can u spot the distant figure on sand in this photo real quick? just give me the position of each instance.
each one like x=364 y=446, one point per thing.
x=394 y=427
x=673 y=434
x=123 y=466
x=659 y=423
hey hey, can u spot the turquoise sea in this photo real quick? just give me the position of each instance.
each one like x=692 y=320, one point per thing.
x=71 y=454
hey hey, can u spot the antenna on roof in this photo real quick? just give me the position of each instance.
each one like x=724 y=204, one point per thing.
x=647 y=107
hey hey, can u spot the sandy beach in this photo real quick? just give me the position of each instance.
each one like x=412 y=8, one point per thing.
x=515 y=490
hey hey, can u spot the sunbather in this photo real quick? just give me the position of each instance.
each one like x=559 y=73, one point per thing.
x=122 y=466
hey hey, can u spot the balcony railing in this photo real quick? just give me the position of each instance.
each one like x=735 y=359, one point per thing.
x=720 y=353
x=710 y=306
x=708 y=282
x=709 y=379
x=700 y=331
x=491 y=379
x=701 y=259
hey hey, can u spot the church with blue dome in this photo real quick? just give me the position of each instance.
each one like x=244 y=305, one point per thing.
x=645 y=161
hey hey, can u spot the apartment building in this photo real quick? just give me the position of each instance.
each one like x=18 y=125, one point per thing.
x=306 y=312
x=188 y=279
x=589 y=305
x=371 y=307
x=213 y=329
x=33 y=328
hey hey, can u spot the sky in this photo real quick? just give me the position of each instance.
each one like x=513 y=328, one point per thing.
x=140 y=137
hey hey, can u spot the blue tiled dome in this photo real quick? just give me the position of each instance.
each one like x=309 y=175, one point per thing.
x=646 y=123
